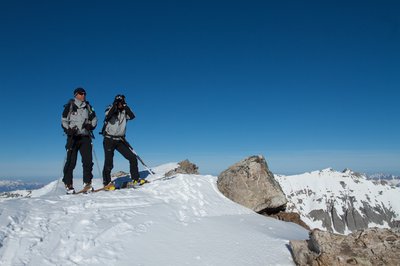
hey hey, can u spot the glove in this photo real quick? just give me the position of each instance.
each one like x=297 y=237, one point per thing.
x=129 y=112
x=88 y=127
x=71 y=131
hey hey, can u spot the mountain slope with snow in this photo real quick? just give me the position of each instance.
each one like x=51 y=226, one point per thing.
x=341 y=202
x=11 y=185
x=182 y=220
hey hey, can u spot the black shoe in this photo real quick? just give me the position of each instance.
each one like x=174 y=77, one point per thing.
x=69 y=189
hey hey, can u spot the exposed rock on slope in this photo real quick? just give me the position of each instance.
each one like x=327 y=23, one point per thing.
x=185 y=167
x=290 y=217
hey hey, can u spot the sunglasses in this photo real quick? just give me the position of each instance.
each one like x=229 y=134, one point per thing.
x=82 y=93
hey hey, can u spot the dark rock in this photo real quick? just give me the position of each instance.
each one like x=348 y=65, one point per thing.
x=337 y=222
x=292 y=217
x=119 y=174
x=185 y=167
x=324 y=217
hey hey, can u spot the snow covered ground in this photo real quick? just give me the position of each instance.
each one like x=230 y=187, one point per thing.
x=183 y=220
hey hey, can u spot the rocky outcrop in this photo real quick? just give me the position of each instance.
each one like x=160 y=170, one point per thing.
x=365 y=247
x=185 y=167
x=290 y=217
x=119 y=174
x=251 y=184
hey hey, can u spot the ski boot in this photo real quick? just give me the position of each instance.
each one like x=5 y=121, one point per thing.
x=87 y=187
x=69 y=189
x=110 y=186
x=136 y=183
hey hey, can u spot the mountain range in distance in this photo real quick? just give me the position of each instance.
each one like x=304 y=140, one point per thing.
x=11 y=184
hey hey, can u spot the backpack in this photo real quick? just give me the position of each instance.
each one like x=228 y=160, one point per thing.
x=121 y=182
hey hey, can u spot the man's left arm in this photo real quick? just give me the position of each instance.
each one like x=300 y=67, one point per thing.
x=129 y=114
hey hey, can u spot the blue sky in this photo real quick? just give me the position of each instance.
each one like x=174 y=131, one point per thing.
x=307 y=84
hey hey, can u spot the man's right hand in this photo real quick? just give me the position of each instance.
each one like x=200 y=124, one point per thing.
x=71 y=131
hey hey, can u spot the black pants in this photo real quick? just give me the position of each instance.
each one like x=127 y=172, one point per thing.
x=110 y=145
x=83 y=144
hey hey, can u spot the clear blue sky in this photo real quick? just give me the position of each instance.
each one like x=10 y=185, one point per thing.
x=307 y=84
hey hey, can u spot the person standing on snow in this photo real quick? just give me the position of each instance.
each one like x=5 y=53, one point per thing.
x=113 y=131
x=78 y=120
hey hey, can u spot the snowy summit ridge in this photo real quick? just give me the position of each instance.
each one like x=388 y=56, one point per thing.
x=179 y=220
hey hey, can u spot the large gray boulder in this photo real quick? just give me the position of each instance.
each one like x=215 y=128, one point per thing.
x=251 y=184
x=371 y=246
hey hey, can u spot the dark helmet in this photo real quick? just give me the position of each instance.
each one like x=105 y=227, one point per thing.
x=79 y=90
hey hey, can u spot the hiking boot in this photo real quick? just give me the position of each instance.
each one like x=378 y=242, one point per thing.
x=87 y=187
x=69 y=189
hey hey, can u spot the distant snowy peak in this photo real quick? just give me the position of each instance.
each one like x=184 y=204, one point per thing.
x=385 y=179
x=378 y=176
x=350 y=172
x=330 y=172
x=10 y=185
x=341 y=202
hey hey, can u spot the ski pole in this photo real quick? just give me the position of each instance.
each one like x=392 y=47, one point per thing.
x=62 y=171
x=140 y=159
x=69 y=145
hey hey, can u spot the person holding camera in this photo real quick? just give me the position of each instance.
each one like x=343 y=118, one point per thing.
x=114 y=130
x=78 y=120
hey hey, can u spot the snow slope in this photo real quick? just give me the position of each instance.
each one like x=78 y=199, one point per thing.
x=343 y=191
x=182 y=220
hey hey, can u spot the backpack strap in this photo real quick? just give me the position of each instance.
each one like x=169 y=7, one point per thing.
x=68 y=109
x=92 y=113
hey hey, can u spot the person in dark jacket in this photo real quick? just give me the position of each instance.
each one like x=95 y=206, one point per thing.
x=114 y=129
x=78 y=120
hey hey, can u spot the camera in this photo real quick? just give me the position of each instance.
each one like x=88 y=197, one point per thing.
x=119 y=99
